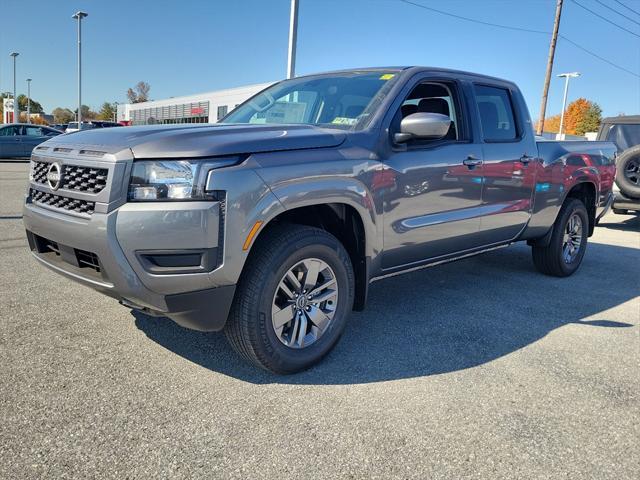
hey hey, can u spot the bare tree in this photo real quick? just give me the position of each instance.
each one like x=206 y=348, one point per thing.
x=139 y=93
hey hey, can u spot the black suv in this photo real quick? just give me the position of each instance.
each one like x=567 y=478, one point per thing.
x=624 y=131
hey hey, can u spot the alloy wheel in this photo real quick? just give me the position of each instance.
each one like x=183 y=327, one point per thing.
x=304 y=303
x=572 y=239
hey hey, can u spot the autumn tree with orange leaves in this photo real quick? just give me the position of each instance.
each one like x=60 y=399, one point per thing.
x=581 y=116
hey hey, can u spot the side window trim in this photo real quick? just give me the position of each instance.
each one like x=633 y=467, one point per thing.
x=514 y=112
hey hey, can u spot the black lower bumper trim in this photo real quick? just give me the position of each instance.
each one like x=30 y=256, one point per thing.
x=203 y=310
x=624 y=203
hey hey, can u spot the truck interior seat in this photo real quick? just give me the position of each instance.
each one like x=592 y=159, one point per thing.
x=490 y=119
x=438 y=105
x=409 y=109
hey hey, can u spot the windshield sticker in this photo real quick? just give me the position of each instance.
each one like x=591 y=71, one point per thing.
x=344 y=121
x=286 y=112
x=387 y=76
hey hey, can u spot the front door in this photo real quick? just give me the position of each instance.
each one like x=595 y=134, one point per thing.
x=434 y=205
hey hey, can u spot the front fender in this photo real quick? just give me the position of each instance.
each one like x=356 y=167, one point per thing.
x=306 y=192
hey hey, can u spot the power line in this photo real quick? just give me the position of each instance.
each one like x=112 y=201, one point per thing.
x=473 y=20
x=606 y=19
x=598 y=56
x=627 y=7
x=624 y=15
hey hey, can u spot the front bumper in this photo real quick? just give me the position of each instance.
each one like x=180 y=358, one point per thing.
x=109 y=252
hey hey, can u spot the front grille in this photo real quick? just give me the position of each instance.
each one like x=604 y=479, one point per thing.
x=74 y=177
x=65 y=203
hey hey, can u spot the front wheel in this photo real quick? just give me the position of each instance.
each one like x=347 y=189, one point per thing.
x=565 y=251
x=293 y=299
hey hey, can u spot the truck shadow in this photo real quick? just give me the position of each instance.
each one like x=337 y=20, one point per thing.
x=628 y=223
x=442 y=319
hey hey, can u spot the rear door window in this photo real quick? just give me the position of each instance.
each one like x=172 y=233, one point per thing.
x=496 y=114
x=34 y=131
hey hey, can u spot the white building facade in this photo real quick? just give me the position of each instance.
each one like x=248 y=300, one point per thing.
x=200 y=108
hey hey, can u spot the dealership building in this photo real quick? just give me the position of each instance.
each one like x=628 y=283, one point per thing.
x=201 y=108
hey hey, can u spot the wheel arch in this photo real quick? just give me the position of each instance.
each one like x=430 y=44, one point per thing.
x=585 y=191
x=344 y=221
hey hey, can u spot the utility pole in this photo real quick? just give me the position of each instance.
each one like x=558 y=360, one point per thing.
x=293 y=39
x=79 y=16
x=16 y=106
x=28 y=100
x=547 y=78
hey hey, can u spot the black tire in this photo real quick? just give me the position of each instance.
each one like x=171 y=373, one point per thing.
x=249 y=328
x=628 y=172
x=550 y=259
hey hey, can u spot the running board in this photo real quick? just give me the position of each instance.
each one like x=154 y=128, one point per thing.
x=429 y=264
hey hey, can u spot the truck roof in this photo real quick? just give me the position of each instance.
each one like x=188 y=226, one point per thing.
x=415 y=68
x=626 y=119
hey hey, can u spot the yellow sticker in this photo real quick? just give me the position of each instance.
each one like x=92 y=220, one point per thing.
x=387 y=76
x=344 y=121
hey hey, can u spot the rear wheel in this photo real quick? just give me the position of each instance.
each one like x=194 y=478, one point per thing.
x=565 y=251
x=293 y=299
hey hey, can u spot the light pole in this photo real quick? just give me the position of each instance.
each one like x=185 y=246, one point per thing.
x=566 y=76
x=28 y=100
x=16 y=107
x=79 y=15
x=293 y=39
x=115 y=113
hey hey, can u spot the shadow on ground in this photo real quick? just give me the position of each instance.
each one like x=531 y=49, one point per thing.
x=441 y=319
x=629 y=224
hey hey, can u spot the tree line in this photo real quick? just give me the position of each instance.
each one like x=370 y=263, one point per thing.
x=136 y=94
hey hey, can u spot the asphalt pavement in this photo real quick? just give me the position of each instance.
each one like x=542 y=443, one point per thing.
x=482 y=368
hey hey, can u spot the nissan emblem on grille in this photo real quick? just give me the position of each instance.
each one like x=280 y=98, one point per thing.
x=54 y=175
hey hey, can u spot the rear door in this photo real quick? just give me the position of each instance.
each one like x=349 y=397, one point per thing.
x=509 y=155
x=11 y=141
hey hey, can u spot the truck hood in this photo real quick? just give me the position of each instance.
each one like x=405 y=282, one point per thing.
x=189 y=141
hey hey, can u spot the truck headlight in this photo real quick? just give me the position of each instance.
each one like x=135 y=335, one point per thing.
x=171 y=180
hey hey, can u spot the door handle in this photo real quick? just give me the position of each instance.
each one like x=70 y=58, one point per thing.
x=472 y=161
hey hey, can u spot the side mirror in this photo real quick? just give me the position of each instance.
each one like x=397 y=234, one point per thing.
x=424 y=125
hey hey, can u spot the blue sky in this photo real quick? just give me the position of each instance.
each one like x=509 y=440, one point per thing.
x=192 y=46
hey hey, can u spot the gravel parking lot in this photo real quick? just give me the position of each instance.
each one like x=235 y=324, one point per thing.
x=482 y=368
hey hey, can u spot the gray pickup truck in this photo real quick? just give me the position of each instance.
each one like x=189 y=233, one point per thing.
x=272 y=224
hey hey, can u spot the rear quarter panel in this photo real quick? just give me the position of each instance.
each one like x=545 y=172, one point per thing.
x=562 y=166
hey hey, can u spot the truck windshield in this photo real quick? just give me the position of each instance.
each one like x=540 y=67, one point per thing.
x=340 y=100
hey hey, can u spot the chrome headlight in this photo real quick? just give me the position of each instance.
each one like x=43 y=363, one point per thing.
x=171 y=180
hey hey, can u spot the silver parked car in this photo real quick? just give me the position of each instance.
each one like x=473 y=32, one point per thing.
x=19 y=139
